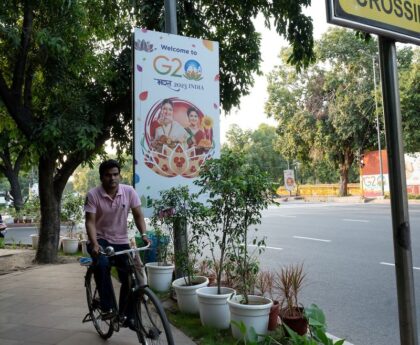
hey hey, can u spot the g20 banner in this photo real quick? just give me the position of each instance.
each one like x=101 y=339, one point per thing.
x=176 y=110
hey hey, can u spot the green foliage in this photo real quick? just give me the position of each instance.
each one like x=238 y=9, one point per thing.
x=176 y=207
x=317 y=332
x=230 y=23
x=259 y=149
x=409 y=73
x=203 y=335
x=65 y=72
x=32 y=208
x=327 y=112
x=72 y=211
x=237 y=193
x=290 y=282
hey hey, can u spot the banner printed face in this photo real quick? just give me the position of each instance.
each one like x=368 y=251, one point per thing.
x=176 y=111
x=289 y=179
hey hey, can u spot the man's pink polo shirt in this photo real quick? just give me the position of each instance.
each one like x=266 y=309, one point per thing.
x=111 y=214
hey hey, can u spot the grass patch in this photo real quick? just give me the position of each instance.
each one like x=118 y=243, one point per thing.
x=191 y=326
x=77 y=254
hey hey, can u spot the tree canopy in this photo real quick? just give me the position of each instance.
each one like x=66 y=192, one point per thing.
x=258 y=148
x=328 y=110
x=65 y=74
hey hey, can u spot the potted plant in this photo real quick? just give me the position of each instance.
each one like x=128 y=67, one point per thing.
x=205 y=268
x=160 y=272
x=251 y=194
x=72 y=213
x=222 y=185
x=178 y=205
x=265 y=286
x=289 y=282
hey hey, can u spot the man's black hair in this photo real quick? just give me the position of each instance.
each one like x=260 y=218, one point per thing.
x=109 y=164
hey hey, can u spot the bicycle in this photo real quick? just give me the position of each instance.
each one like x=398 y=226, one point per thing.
x=150 y=322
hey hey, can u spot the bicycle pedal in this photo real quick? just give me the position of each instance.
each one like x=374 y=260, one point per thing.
x=85 y=261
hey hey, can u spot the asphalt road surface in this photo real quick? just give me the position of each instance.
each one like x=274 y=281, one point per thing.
x=347 y=251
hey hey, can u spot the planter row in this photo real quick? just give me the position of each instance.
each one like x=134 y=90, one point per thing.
x=70 y=245
x=216 y=310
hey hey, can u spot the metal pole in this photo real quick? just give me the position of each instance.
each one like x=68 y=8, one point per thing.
x=170 y=17
x=378 y=129
x=398 y=189
x=180 y=224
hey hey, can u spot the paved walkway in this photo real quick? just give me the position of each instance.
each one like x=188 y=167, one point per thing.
x=46 y=305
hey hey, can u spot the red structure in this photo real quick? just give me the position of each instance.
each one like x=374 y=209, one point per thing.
x=371 y=178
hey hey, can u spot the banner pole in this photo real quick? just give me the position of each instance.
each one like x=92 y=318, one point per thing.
x=180 y=224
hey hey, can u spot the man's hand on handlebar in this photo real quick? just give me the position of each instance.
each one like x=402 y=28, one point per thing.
x=96 y=249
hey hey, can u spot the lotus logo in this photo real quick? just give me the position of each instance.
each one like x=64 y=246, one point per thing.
x=192 y=69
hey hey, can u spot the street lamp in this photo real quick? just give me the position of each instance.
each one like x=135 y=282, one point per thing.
x=377 y=127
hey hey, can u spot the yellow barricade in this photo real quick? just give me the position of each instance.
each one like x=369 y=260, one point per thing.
x=321 y=190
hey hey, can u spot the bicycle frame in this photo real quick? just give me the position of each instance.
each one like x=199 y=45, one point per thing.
x=133 y=279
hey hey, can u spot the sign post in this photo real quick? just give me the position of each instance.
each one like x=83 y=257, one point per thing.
x=391 y=20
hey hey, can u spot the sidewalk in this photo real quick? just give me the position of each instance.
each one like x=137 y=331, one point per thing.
x=46 y=305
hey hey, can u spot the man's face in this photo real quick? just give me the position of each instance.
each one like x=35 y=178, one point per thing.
x=111 y=178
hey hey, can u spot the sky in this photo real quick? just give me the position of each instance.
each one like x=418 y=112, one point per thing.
x=250 y=114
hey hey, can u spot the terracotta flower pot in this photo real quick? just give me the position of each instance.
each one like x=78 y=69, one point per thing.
x=274 y=316
x=295 y=321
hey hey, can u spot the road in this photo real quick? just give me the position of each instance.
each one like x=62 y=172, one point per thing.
x=22 y=235
x=347 y=251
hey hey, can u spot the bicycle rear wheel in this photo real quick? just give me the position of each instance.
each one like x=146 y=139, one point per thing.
x=103 y=327
x=152 y=326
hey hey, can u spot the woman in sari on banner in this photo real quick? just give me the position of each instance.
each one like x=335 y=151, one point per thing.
x=169 y=131
x=194 y=129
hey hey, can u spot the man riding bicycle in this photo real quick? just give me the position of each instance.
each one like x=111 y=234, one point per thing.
x=106 y=209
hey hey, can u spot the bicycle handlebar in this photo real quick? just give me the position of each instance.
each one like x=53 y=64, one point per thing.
x=109 y=251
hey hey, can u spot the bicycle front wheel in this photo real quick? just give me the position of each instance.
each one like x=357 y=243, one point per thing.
x=153 y=327
x=103 y=327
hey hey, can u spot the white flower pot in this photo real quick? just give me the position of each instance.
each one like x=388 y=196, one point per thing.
x=255 y=314
x=160 y=276
x=186 y=294
x=35 y=239
x=214 y=308
x=70 y=245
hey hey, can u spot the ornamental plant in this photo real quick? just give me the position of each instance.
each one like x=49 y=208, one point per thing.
x=72 y=212
x=236 y=194
x=178 y=208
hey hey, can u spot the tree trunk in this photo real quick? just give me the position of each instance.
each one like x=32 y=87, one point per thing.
x=344 y=171
x=15 y=190
x=50 y=212
x=344 y=179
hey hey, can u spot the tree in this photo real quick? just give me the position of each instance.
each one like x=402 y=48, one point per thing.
x=65 y=74
x=258 y=147
x=328 y=110
x=238 y=140
x=230 y=23
x=410 y=97
x=14 y=157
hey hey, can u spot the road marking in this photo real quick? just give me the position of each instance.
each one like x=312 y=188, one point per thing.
x=356 y=220
x=275 y=248
x=312 y=239
x=389 y=264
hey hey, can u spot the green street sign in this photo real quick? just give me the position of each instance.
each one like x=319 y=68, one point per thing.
x=398 y=19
